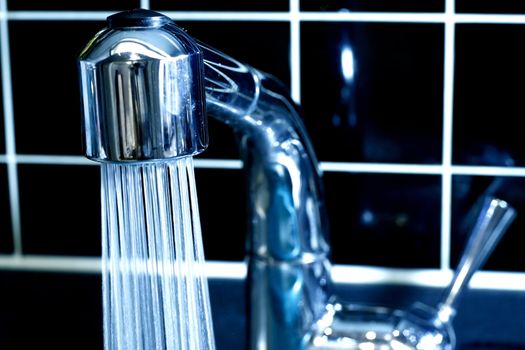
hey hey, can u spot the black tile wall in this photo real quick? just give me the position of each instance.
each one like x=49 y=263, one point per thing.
x=371 y=91
x=222 y=142
x=488 y=6
x=226 y=5
x=46 y=97
x=50 y=310
x=6 y=236
x=222 y=207
x=78 y=5
x=379 y=219
x=489 y=105
x=376 y=5
x=60 y=209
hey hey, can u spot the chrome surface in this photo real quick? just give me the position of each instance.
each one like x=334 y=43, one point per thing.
x=493 y=220
x=420 y=327
x=146 y=85
x=428 y=327
x=287 y=250
x=142 y=91
x=358 y=327
x=142 y=87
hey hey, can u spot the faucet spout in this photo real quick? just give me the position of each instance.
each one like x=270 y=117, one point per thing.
x=287 y=248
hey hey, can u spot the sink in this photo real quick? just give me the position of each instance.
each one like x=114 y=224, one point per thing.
x=486 y=319
x=58 y=310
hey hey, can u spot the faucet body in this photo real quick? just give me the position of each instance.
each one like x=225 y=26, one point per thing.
x=142 y=87
x=287 y=249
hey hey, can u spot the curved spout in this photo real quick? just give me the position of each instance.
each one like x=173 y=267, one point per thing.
x=277 y=153
x=287 y=250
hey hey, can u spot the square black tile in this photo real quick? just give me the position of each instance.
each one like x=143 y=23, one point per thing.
x=468 y=194
x=222 y=142
x=78 y=5
x=374 y=6
x=387 y=220
x=6 y=231
x=225 y=5
x=373 y=92
x=46 y=89
x=50 y=311
x=489 y=6
x=267 y=49
x=60 y=209
x=223 y=213
x=488 y=95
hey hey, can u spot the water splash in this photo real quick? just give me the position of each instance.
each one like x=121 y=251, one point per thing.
x=155 y=292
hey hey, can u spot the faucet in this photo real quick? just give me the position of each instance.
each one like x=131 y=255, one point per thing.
x=147 y=87
x=287 y=250
x=143 y=63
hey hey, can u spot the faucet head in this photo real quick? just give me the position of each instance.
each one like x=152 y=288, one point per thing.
x=142 y=90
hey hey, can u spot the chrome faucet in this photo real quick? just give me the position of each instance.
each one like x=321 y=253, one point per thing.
x=146 y=86
x=287 y=251
x=147 y=64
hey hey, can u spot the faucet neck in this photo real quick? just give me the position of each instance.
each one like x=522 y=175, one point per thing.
x=287 y=249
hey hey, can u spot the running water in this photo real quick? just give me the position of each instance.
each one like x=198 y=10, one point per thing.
x=155 y=292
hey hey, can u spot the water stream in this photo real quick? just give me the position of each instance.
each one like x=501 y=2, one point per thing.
x=155 y=292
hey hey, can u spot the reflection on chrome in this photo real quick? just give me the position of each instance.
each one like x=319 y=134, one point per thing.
x=347 y=63
x=345 y=115
x=147 y=84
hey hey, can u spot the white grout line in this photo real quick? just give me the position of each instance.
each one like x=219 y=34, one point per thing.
x=9 y=125
x=53 y=160
x=450 y=7
x=228 y=16
x=80 y=160
x=425 y=277
x=295 y=51
x=218 y=163
x=421 y=169
x=446 y=217
x=177 y=15
x=448 y=108
x=488 y=171
x=412 y=17
x=226 y=269
x=239 y=16
x=391 y=168
x=381 y=168
x=50 y=263
x=144 y=4
x=396 y=17
x=489 y=19
x=343 y=274
x=373 y=17
x=58 y=15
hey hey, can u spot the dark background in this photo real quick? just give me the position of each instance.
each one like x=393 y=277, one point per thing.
x=390 y=112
